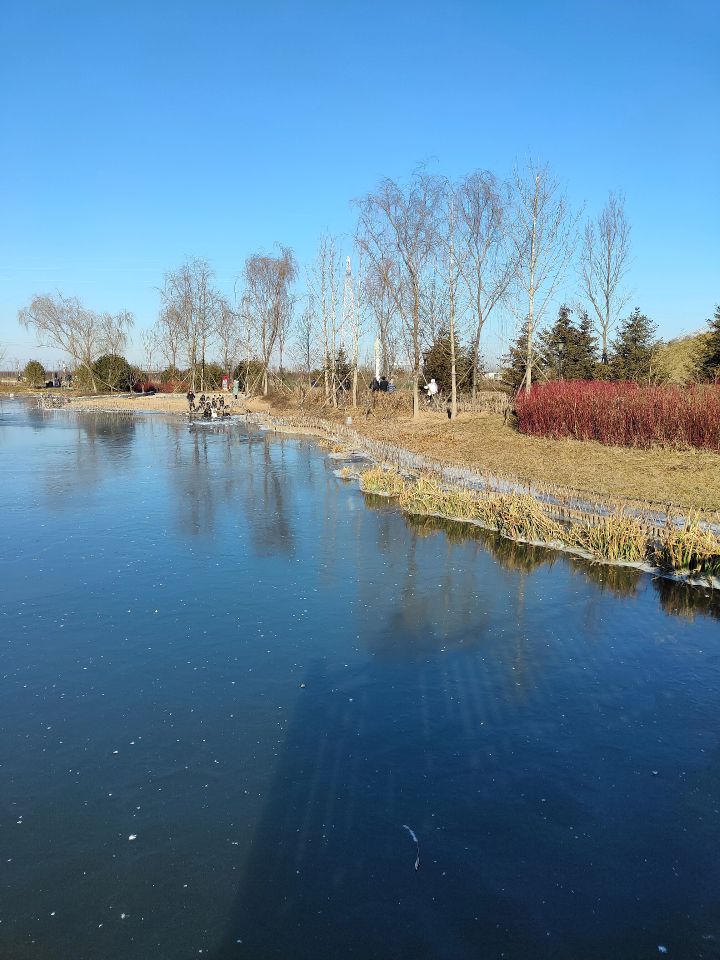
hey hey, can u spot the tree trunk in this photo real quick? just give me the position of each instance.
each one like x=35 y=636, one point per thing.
x=453 y=372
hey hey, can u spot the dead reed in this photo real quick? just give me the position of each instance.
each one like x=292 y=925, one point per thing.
x=383 y=481
x=615 y=537
x=691 y=547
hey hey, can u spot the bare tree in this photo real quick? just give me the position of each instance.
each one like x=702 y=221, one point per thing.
x=169 y=334
x=381 y=305
x=306 y=337
x=149 y=345
x=192 y=302
x=604 y=261
x=229 y=336
x=544 y=236
x=356 y=323
x=64 y=324
x=323 y=281
x=485 y=257
x=452 y=283
x=268 y=301
x=397 y=231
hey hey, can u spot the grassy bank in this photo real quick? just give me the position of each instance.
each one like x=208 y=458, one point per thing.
x=684 y=480
x=685 y=548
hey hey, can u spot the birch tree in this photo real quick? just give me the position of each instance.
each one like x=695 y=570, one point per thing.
x=149 y=346
x=168 y=333
x=191 y=307
x=604 y=262
x=323 y=281
x=397 y=231
x=544 y=236
x=229 y=337
x=485 y=257
x=381 y=308
x=452 y=276
x=306 y=335
x=269 y=302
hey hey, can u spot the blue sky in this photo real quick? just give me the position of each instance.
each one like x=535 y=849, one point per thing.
x=135 y=134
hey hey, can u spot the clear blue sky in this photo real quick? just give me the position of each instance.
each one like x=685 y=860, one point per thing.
x=134 y=134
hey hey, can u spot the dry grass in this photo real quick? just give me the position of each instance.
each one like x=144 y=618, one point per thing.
x=685 y=480
x=690 y=547
x=380 y=480
x=615 y=537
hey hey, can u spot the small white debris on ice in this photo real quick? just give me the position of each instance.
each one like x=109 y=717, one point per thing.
x=417 y=844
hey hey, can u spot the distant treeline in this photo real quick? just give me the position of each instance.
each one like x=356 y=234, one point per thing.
x=432 y=263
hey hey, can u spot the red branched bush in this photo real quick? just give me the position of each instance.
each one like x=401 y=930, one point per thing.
x=172 y=386
x=623 y=414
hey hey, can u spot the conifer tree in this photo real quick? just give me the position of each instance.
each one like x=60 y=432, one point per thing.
x=711 y=355
x=436 y=363
x=516 y=359
x=568 y=351
x=586 y=360
x=634 y=349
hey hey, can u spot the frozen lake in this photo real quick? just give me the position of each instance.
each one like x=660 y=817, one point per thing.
x=228 y=680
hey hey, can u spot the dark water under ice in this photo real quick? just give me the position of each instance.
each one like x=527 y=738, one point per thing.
x=227 y=680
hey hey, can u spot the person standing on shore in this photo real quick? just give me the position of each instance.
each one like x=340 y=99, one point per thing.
x=190 y=400
x=236 y=388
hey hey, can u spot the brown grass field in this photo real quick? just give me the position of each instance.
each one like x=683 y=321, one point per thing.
x=684 y=479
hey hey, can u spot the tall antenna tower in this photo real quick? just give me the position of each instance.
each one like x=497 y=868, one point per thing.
x=348 y=310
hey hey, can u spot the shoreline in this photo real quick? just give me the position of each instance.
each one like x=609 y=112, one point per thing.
x=563 y=507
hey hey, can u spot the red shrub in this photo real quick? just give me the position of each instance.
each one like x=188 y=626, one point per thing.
x=172 y=386
x=623 y=414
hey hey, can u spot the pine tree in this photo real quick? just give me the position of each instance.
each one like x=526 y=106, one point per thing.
x=436 y=363
x=567 y=351
x=585 y=362
x=634 y=349
x=343 y=370
x=711 y=354
x=554 y=345
x=516 y=359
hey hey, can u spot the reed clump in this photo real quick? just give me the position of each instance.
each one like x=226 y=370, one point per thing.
x=380 y=480
x=427 y=497
x=521 y=517
x=617 y=537
x=691 y=547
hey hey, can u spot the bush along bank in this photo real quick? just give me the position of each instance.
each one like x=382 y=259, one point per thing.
x=684 y=548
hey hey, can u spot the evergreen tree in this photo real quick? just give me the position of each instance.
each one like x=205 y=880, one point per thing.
x=343 y=370
x=34 y=373
x=516 y=359
x=567 y=351
x=436 y=363
x=585 y=362
x=634 y=349
x=711 y=354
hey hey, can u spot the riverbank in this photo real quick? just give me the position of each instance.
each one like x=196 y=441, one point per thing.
x=660 y=537
x=661 y=478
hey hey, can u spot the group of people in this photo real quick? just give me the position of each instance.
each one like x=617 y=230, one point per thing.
x=383 y=385
x=209 y=407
